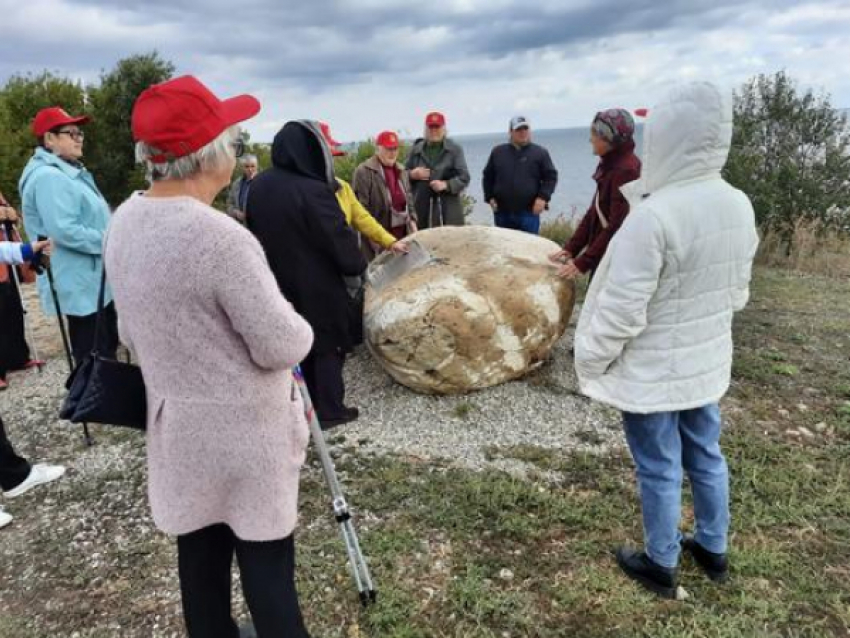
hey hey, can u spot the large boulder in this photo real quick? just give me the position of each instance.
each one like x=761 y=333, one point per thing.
x=488 y=308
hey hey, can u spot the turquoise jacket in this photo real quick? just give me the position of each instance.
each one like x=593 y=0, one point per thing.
x=61 y=201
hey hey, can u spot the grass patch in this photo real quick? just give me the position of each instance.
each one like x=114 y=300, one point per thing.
x=462 y=554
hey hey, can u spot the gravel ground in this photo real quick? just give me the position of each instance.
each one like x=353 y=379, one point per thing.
x=95 y=524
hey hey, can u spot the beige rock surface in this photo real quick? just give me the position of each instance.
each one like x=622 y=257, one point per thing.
x=487 y=310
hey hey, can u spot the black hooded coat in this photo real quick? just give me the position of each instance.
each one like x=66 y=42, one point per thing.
x=293 y=212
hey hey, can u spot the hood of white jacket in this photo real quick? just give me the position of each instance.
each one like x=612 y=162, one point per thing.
x=687 y=137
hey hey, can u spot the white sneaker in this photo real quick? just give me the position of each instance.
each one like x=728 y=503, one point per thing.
x=39 y=475
x=5 y=518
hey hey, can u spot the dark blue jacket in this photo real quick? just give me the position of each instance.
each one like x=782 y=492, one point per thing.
x=515 y=177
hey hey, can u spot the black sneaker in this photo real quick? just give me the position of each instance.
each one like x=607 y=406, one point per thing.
x=640 y=567
x=715 y=566
x=348 y=415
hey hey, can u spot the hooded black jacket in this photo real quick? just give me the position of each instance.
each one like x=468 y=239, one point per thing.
x=293 y=212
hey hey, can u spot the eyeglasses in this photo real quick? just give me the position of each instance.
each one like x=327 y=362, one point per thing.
x=74 y=135
x=239 y=147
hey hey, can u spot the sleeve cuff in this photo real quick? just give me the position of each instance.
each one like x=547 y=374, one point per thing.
x=27 y=252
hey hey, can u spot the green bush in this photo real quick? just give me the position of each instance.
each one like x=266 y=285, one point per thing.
x=791 y=154
x=559 y=230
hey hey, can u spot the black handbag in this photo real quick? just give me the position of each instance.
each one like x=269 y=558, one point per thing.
x=105 y=391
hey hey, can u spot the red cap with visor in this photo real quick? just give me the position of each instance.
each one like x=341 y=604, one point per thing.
x=53 y=117
x=387 y=139
x=181 y=116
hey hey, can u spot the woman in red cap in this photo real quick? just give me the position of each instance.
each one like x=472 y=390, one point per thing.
x=382 y=185
x=216 y=341
x=439 y=175
x=60 y=200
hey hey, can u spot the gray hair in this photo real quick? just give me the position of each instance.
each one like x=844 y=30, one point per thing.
x=210 y=157
x=248 y=159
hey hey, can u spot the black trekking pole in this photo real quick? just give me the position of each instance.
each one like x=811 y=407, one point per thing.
x=65 y=341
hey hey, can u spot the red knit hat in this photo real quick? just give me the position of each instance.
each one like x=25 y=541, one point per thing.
x=181 y=116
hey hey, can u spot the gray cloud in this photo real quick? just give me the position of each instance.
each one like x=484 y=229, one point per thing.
x=320 y=48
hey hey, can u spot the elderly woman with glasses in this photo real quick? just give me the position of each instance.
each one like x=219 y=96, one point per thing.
x=216 y=342
x=60 y=200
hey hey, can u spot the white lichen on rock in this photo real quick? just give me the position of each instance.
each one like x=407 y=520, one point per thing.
x=487 y=310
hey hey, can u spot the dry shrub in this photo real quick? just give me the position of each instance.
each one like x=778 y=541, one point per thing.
x=814 y=250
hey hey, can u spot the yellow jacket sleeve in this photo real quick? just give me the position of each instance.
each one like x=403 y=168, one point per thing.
x=360 y=218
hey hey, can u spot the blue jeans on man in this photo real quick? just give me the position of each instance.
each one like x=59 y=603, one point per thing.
x=663 y=445
x=525 y=221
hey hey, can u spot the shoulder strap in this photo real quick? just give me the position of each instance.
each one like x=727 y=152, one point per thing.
x=101 y=297
x=602 y=219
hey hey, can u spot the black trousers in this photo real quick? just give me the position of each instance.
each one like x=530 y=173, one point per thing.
x=81 y=333
x=14 y=352
x=14 y=469
x=267 y=569
x=323 y=375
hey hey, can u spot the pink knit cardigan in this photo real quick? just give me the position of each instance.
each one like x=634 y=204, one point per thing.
x=215 y=338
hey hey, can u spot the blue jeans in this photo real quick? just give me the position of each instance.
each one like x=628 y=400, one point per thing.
x=526 y=221
x=662 y=445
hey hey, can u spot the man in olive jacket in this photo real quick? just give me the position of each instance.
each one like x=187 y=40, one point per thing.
x=438 y=176
x=519 y=180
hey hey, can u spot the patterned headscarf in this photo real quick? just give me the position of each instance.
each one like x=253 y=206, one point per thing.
x=614 y=125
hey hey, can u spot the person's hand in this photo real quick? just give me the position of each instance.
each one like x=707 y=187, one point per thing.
x=413 y=227
x=399 y=248
x=420 y=173
x=494 y=204
x=240 y=216
x=45 y=247
x=539 y=206
x=569 y=271
x=438 y=186
x=560 y=257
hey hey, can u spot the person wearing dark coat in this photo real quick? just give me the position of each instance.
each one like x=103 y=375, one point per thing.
x=519 y=180
x=612 y=139
x=293 y=211
x=438 y=176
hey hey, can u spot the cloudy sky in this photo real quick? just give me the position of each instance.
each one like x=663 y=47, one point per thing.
x=366 y=65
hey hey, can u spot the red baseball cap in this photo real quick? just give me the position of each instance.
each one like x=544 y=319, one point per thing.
x=48 y=119
x=435 y=119
x=387 y=139
x=326 y=131
x=181 y=116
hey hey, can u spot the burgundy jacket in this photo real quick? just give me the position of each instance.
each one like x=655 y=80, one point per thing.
x=590 y=241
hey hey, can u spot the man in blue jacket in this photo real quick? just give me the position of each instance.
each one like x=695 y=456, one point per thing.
x=519 y=180
x=61 y=201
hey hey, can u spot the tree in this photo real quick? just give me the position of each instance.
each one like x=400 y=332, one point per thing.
x=110 y=150
x=790 y=155
x=20 y=99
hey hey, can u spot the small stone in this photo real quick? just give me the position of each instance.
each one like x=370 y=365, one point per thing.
x=783 y=413
x=802 y=407
x=806 y=432
x=506 y=574
x=682 y=593
x=793 y=433
x=820 y=427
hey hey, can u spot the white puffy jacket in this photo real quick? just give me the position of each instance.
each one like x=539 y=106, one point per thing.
x=655 y=333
